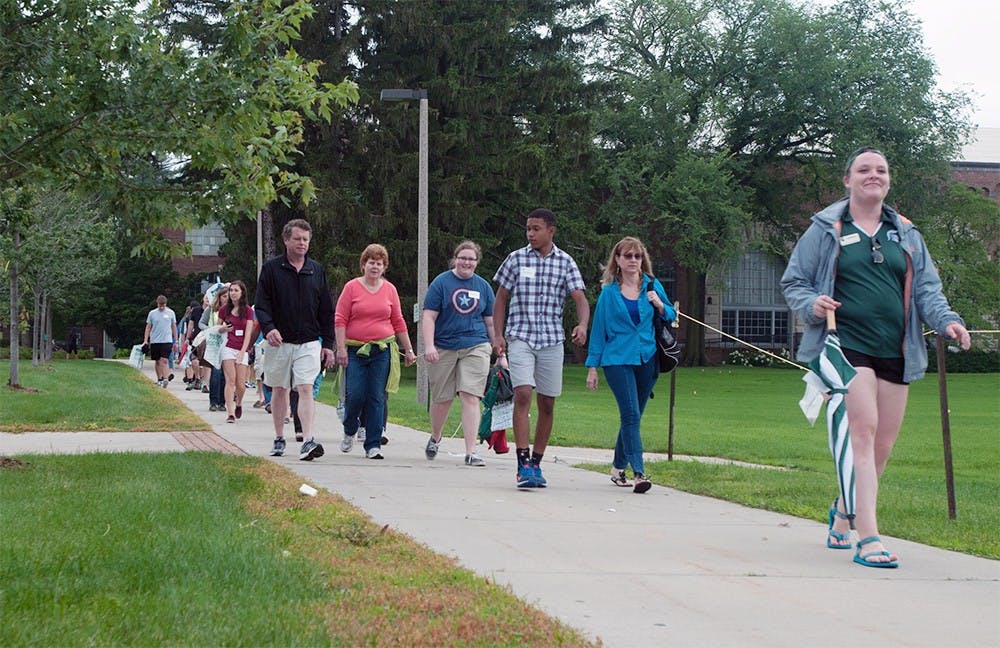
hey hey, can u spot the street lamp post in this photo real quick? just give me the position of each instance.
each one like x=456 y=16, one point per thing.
x=421 y=96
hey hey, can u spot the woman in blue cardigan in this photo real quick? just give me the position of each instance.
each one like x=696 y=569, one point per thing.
x=621 y=341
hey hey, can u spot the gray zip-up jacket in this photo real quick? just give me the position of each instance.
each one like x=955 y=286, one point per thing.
x=812 y=270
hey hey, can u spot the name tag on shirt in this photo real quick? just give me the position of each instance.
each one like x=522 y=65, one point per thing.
x=474 y=294
x=238 y=332
x=527 y=273
x=850 y=239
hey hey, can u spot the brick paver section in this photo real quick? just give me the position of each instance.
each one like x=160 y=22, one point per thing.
x=206 y=441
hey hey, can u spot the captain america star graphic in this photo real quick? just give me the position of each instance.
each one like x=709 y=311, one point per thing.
x=465 y=301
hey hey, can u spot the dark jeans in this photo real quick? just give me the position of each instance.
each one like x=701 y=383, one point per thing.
x=217 y=388
x=631 y=385
x=364 y=386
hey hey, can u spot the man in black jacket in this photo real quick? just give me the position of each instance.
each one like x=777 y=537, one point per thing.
x=295 y=313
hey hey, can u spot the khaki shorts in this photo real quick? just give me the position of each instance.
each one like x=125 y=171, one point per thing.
x=459 y=370
x=290 y=365
x=541 y=369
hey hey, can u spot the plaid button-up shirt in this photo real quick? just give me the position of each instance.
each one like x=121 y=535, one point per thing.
x=538 y=288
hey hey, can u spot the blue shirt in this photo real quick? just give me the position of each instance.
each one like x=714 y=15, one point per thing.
x=617 y=340
x=461 y=305
x=538 y=288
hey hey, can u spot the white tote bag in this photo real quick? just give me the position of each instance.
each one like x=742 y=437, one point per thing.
x=137 y=356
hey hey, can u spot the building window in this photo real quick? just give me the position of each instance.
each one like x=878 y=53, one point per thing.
x=759 y=327
x=206 y=240
x=753 y=307
x=666 y=272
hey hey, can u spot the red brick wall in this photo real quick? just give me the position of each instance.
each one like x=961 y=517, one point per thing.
x=983 y=179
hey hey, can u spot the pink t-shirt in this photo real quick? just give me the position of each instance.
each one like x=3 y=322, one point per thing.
x=240 y=323
x=368 y=316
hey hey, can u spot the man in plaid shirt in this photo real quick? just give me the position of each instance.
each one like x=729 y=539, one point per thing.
x=534 y=281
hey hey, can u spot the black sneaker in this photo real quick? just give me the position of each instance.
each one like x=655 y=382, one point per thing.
x=310 y=450
x=278 y=449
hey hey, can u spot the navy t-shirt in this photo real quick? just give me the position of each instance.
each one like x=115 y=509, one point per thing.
x=461 y=305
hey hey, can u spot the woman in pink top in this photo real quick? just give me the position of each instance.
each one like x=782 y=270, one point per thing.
x=236 y=320
x=370 y=330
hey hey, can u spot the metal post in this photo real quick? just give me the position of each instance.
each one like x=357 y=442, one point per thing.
x=396 y=94
x=949 y=475
x=260 y=242
x=670 y=434
x=422 y=389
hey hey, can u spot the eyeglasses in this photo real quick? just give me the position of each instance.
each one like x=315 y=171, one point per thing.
x=877 y=256
x=631 y=255
x=467 y=259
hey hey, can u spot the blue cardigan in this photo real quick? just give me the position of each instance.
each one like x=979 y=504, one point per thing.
x=614 y=338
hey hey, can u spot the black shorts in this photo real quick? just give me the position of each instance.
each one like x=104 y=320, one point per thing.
x=888 y=369
x=160 y=350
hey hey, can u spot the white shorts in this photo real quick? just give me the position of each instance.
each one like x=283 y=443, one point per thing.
x=538 y=368
x=290 y=365
x=229 y=353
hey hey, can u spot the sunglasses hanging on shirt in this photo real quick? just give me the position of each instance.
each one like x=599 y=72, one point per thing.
x=877 y=256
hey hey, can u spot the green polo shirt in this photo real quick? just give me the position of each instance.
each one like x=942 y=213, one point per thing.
x=870 y=319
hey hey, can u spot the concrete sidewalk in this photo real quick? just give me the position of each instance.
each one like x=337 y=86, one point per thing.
x=665 y=568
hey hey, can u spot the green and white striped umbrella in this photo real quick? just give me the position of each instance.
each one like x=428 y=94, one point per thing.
x=831 y=374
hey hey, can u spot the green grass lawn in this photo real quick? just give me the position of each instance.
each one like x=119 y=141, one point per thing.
x=204 y=549
x=752 y=415
x=89 y=395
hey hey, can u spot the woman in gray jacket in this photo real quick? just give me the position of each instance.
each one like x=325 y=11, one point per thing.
x=869 y=265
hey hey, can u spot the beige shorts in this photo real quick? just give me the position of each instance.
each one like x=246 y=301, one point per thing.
x=290 y=365
x=459 y=370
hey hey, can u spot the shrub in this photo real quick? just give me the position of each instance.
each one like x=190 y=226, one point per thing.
x=754 y=358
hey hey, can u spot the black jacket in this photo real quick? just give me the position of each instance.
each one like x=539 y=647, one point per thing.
x=298 y=304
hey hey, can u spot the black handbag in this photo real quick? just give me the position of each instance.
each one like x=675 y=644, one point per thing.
x=668 y=352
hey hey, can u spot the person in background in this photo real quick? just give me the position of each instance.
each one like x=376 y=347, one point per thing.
x=217 y=379
x=237 y=322
x=160 y=337
x=458 y=334
x=534 y=282
x=193 y=328
x=370 y=329
x=295 y=311
x=869 y=265
x=623 y=344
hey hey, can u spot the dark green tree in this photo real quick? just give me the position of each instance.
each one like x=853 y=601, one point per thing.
x=509 y=131
x=774 y=94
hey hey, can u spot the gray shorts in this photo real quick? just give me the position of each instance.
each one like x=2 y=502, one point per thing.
x=538 y=368
x=290 y=365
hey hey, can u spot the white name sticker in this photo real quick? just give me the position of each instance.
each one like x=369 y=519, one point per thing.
x=238 y=332
x=528 y=273
x=850 y=239
x=474 y=294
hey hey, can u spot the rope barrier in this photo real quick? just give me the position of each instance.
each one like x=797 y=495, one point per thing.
x=736 y=339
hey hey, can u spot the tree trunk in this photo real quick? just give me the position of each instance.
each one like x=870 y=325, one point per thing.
x=267 y=231
x=36 y=330
x=694 y=341
x=14 y=379
x=47 y=327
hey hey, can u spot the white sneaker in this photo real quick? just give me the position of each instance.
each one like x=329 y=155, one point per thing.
x=374 y=453
x=361 y=434
x=474 y=460
x=346 y=443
